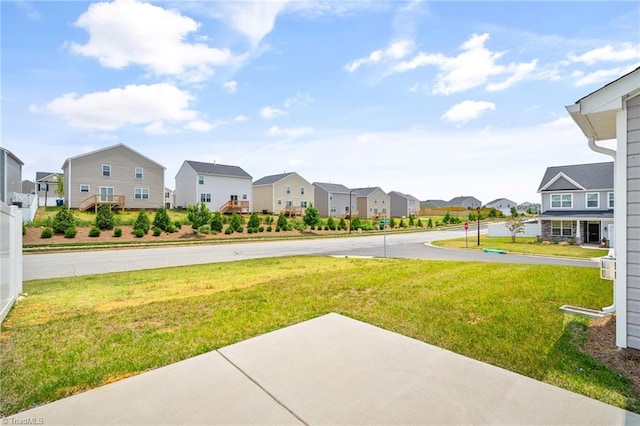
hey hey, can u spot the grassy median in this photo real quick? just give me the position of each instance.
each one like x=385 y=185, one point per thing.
x=69 y=335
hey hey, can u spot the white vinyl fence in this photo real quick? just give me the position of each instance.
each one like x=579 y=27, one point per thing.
x=10 y=257
x=531 y=229
x=28 y=203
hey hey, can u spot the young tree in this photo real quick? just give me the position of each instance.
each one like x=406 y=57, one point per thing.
x=430 y=223
x=236 y=222
x=342 y=225
x=198 y=215
x=411 y=220
x=311 y=216
x=355 y=223
x=142 y=222
x=282 y=223
x=331 y=224
x=254 y=221
x=447 y=218
x=217 y=222
x=161 y=219
x=515 y=224
x=105 y=218
x=63 y=220
x=514 y=211
x=60 y=187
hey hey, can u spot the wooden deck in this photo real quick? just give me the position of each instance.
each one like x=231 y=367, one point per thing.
x=114 y=201
x=293 y=211
x=232 y=206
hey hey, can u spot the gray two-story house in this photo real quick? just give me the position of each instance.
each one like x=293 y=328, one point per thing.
x=334 y=199
x=577 y=203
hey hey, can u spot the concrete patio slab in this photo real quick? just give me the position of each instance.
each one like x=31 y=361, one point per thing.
x=329 y=370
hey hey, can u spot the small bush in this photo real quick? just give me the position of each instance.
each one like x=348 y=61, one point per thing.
x=217 y=222
x=161 y=220
x=157 y=231
x=139 y=233
x=171 y=228
x=261 y=228
x=269 y=229
x=254 y=221
x=63 y=220
x=277 y=229
x=95 y=231
x=420 y=225
x=342 y=225
x=142 y=222
x=331 y=224
x=105 y=218
x=70 y=232
x=204 y=229
x=240 y=229
x=117 y=232
x=571 y=241
x=46 y=233
x=229 y=230
x=177 y=224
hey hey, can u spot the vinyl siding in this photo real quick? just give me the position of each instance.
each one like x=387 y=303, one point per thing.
x=633 y=223
x=263 y=199
x=11 y=177
x=579 y=200
x=321 y=201
x=295 y=182
x=87 y=169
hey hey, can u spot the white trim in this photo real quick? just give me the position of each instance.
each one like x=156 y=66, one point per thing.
x=135 y=172
x=586 y=200
x=609 y=200
x=88 y=187
x=558 y=176
x=102 y=170
x=141 y=193
x=560 y=208
x=620 y=223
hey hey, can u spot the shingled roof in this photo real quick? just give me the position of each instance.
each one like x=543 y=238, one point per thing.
x=218 y=169
x=334 y=188
x=271 y=179
x=588 y=176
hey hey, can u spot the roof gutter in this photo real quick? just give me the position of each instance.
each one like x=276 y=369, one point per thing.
x=600 y=149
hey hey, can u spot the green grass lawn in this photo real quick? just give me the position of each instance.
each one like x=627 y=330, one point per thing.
x=69 y=335
x=523 y=245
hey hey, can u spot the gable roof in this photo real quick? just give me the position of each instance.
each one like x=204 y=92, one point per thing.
x=400 y=194
x=12 y=155
x=587 y=176
x=271 y=179
x=497 y=200
x=108 y=148
x=217 y=169
x=436 y=203
x=459 y=200
x=334 y=188
x=42 y=175
x=365 y=192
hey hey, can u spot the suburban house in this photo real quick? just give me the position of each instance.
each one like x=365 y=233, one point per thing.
x=116 y=175
x=46 y=188
x=10 y=176
x=334 y=199
x=372 y=202
x=525 y=207
x=285 y=192
x=613 y=112
x=169 y=198
x=28 y=187
x=502 y=204
x=467 y=202
x=577 y=203
x=433 y=204
x=403 y=205
x=223 y=188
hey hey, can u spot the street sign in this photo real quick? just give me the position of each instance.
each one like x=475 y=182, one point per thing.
x=466 y=226
x=384 y=222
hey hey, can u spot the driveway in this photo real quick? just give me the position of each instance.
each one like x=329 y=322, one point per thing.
x=410 y=246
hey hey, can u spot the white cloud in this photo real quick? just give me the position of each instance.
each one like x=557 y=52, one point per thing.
x=254 y=19
x=240 y=118
x=131 y=105
x=230 y=86
x=396 y=50
x=156 y=128
x=271 y=112
x=199 y=126
x=467 y=110
x=129 y=32
x=608 y=53
x=291 y=132
x=582 y=79
x=302 y=99
x=471 y=68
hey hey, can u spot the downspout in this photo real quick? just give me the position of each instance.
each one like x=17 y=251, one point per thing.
x=606 y=151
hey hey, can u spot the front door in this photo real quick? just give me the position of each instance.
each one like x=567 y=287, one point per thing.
x=593 y=233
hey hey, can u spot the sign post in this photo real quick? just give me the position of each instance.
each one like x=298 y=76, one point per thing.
x=466 y=235
x=384 y=223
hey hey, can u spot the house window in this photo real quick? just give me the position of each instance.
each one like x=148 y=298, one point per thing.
x=346 y=208
x=106 y=170
x=288 y=203
x=43 y=187
x=141 y=193
x=375 y=201
x=330 y=196
x=205 y=197
x=279 y=202
x=561 y=228
x=138 y=172
x=610 y=195
x=84 y=188
x=166 y=195
x=301 y=190
x=333 y=209
x=561 y=201
x=592 y=200
x=244 y=196
x=200 y=180
x=303 y=204
x=288 y=190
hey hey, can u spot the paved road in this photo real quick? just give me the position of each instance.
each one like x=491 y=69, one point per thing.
x=413 y=246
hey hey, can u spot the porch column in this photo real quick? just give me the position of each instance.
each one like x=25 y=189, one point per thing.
x=578 y=233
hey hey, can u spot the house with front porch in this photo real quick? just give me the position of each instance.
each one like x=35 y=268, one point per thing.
x=577 y=203
x=287 y=193
x=372 y=202
x=222 y=188
x=613 y=113
x=334 y=199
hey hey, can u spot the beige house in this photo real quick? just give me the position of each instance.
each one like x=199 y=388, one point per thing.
x=47 y=188
x=116 y=175
x=373 y=203
x=287 y=192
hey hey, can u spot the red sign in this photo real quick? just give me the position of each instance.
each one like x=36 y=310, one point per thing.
x=466 y=226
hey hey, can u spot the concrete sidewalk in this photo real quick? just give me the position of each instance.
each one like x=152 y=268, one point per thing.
x=329 y=370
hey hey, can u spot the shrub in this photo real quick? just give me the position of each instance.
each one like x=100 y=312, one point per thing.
x=161 y=219
x=177 y=224
x=198 y=215
x=236 y=222
x=331 y=224
x=555 y=240
x=139 y=233
x=311 y=216
x=171 y=228
x=46 y=233
x=420 y=225
x=277 y=228
x=104 y=217
x=430 y=223
x=282 y=222
x=70 y=232
x=355 y=223
x=157 y=231
x=229 y=230
x=269 y=229
x=402 y=224
x=117 y=232
x=95 y=231
x=411 y=220
x=142 y=222
x=63 y=220
x=204 y=229
x=571 y=241
x=261 y=228
x=342 y=225
x=254 y=221
x=217 y=222
x=240 y=229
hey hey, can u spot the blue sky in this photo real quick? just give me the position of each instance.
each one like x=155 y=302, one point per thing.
x=435 y=99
